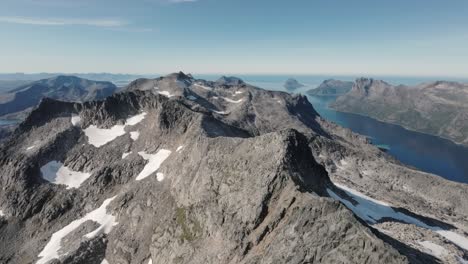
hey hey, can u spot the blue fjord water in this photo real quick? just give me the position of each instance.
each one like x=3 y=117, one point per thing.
x=421 y=151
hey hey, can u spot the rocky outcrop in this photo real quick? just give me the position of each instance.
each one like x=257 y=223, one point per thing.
x=331 y=87
x=437 y=108
x=180 y=170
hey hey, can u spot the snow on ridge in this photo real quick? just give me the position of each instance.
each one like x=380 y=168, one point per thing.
x=106 y=223
x=75 y=120
x=55 y=172
x=232 y=101
x=371 y=210
x=134 y=135
x=203 y=87
x=166 y=93
x=154 y=162
x=434 y=249
x=101 y=136
x=220 y=112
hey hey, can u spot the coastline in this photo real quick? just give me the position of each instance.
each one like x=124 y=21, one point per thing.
x=402 y=126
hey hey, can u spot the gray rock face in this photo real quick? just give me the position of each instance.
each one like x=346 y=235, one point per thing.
x=331 y=87
x=292 y=84
x=193 y=171
x=437 y=108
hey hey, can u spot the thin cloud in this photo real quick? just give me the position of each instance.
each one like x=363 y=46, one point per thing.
x=110 y=23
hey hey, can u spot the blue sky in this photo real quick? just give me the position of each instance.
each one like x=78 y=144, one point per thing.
x=366 y=37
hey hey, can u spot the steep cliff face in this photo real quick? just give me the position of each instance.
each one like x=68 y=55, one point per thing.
x=178 y=170
x=437 y=108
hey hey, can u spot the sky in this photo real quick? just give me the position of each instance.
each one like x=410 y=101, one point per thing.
x=365 y=37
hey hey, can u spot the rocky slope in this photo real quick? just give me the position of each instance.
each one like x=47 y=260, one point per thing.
x=331 y=87
x=437 y=108
x=66 y=88
x=179 y=170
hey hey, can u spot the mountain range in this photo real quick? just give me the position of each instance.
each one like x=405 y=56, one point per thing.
x=19 y=101
x=436 y=108
x=183 y=170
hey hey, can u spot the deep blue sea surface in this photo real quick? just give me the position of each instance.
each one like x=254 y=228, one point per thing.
x=424 y=152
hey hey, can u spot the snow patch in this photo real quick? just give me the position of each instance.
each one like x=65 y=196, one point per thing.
x=101 y=136
x=203 y=87
x=160 y=176
x=232 y=101
x=106 y=223
x=125 y=155
x=31 y=147
x=179 y=148
x=434 y=249
x=191 y=97
x=166 y=93
x=220 y=112
x=104 y=261
x=134 y=135
x=371 y=210
x=150 y=261
x=55 y=172
x=75 y=120
x=239 y=92
x=2 y=213
x=154 y=162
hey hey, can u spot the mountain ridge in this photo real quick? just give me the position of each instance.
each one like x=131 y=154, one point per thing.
x=249 y=185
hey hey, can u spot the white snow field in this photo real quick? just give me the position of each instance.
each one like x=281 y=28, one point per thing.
x=371 y=210
x=434 y=249
x=154 y=162
x=134 y=135
x=75 y=120
x=106 y=223
x=101 y=136
x=57 y=173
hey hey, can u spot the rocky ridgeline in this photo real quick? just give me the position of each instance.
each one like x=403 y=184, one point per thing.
x=179 y=170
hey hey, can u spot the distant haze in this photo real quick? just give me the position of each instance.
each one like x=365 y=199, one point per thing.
x=406 y=38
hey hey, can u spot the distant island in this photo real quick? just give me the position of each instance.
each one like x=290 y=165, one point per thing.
x=331 y=87
x=292 y=84
x=436 y=108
